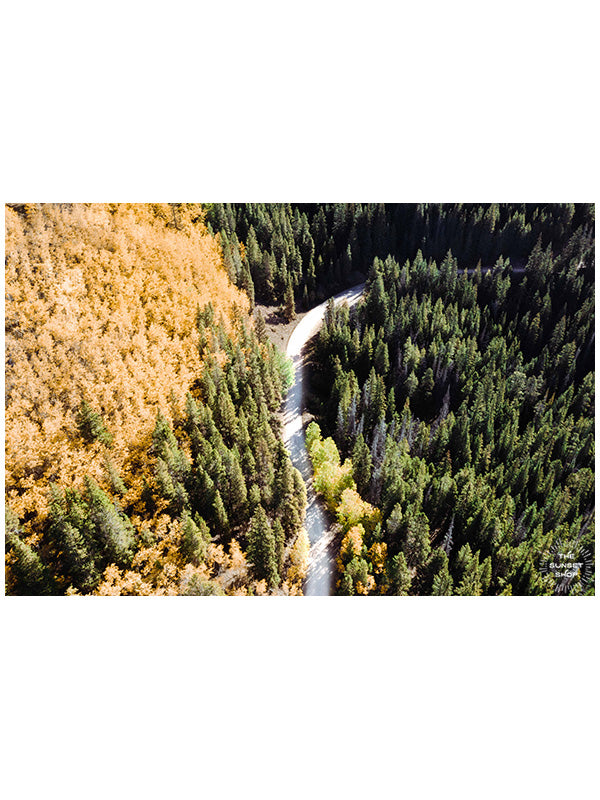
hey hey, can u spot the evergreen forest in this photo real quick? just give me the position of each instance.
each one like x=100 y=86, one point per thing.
x=451 y=410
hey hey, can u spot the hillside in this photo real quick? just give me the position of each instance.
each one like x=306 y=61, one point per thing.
x=464 y=405
x=114 y=313
x=100 y=306
x=453 y=434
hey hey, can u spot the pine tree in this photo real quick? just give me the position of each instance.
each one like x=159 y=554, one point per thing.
x=416 y=546
x=442 y=583
x=377 y=302
x=114 y=478
x=246 y=283
x=226 y=417
x=70 y=532
x=427 y=385
x=400 y=578
x=362 y=462
x=220 y=516
x=261 y=328
x=254 y=257
x=32 y=577
x=286 y=499
x=279 y=536
x=112 y=529
x=411 y=384
x=262 y=549
x=289 y=306
x=238 y=494
x=195 y=539
x=91 y=425
x=382 y=358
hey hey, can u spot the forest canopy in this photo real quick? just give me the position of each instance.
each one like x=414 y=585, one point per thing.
x=464 y=403
x=452 y=439
x=142 y=437
x=315 y=249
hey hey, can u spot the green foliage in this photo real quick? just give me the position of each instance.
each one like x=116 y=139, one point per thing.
x=399 y=575
x=263 y=549
x=72 y=534
x=320 y=247
x=286 y=370
x=466 y=400
x=289 y=306
x=114 y=478
x=197 y=586
x=151 y=514
x=194 y=540
x=457 y=408
x=30 y=574
x=111 y=528
x=91 y=425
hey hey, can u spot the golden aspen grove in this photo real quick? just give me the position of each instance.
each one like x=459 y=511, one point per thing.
x=141 y=411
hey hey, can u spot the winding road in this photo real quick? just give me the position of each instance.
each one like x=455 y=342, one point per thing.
x=320 y=535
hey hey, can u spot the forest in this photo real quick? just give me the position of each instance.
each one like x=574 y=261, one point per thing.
x=309 y=251
x=462 y=404
x=143 y=448
x=452 y=432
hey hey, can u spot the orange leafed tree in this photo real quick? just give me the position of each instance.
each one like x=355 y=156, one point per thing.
x=101 y=303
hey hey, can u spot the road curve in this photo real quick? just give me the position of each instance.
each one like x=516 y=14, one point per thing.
x=321 y=559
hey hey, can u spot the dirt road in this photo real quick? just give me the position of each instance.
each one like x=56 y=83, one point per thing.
x=321 y=559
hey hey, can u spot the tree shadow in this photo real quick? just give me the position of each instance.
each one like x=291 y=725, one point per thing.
x=276 y=318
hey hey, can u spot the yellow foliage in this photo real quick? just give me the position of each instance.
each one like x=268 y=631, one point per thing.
x=188 y=573
x=217 y=554
x=331 y=479
x=378 y=556
x=116 y=583
x=101 y=304
x=159 y=564
x=260 y=588
x=362 y=589
x=298 y=567
x=237 y=559
x=291 y=589
x=352 y=543
x=352 y=509
x=324 y=450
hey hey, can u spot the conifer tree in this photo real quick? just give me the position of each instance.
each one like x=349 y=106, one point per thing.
x=289 y=306
x=114 y=478
x=377 y=301
x=399 y=577
x=112 y=529
x=220 y=515
x=442 y=582
x=194 y=539
x=238 y=494
x=362 y=461
x=70 y=532
x=279 y=536
x=91 y=425
x=261 y=328
x=32 y=576
x=262 y=549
